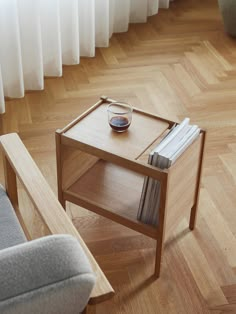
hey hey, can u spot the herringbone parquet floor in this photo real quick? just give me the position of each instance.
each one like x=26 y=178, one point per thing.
x=181 y=63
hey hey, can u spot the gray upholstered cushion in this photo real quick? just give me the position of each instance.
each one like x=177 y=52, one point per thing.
x=11 y=232
x=47 y=275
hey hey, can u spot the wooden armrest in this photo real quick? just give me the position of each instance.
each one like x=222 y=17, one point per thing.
x=18 y=160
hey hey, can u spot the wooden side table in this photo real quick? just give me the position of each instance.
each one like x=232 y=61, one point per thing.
x=103 y=171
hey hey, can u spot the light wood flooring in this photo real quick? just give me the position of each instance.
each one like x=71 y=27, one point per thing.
x=181 y=63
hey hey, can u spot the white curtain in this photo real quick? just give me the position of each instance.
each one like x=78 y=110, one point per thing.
x=38 y=36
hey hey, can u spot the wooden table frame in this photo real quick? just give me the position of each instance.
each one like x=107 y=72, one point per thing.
x=76 y=159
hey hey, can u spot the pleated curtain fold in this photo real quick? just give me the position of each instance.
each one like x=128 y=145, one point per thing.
x=38 y=37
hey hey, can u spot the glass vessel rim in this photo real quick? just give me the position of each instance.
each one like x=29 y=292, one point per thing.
x=122 y=105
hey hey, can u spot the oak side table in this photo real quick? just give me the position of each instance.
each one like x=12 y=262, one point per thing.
x=103 y=171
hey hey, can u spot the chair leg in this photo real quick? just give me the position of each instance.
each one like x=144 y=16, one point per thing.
x=11 y=189
x=10 y=182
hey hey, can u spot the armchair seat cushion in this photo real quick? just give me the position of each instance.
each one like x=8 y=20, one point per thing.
x=48 y=275
x=11 y=232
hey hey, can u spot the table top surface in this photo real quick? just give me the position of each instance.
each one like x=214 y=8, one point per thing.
x=95 y=131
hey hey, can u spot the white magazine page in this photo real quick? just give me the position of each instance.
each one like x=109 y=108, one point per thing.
x=185 y=145
x=171 y=147
x=182 y=140
x=171 y=135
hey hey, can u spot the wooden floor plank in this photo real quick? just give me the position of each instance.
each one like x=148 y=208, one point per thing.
x=181 y=63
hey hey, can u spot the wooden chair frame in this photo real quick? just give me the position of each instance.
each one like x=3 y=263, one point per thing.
x=19 y=164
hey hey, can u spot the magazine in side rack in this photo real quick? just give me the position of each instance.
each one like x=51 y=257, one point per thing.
x=163 y=156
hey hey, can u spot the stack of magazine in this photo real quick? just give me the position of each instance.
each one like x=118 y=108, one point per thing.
x=163 y=156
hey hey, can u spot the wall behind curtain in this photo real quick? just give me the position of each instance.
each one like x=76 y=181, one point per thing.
x=37 y=37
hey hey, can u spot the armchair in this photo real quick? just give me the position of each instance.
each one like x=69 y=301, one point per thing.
x=55 y=273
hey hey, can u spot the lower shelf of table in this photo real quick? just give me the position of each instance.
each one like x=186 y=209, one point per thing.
x=113 y=192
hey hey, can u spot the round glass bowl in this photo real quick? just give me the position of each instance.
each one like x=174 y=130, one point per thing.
x=119 y=116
